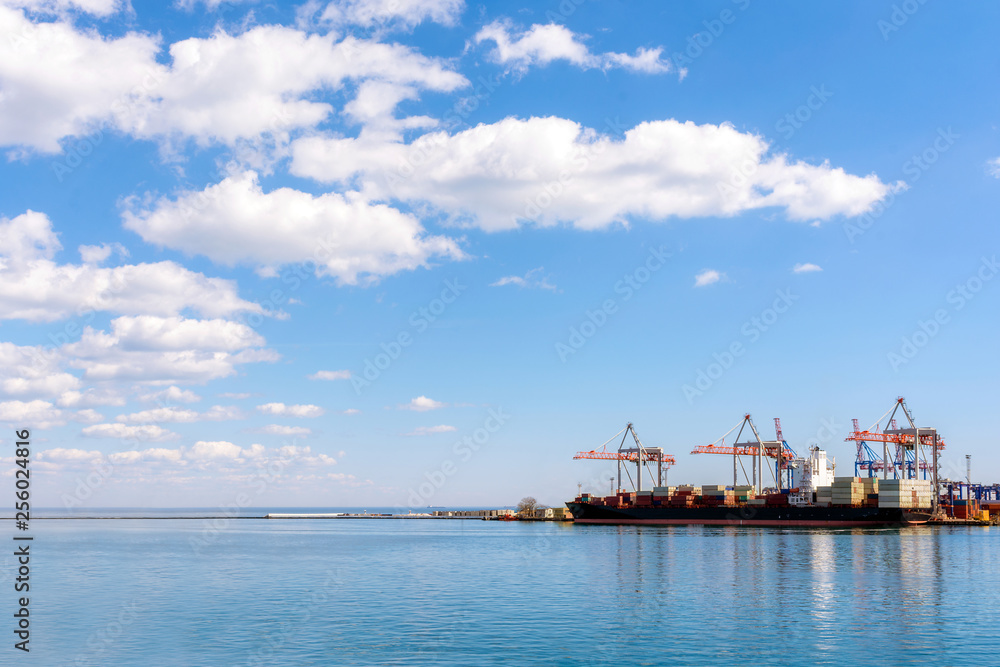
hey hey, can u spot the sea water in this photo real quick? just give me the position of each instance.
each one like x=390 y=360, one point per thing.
x=254 y=591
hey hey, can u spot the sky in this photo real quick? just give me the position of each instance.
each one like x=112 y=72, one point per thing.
x=383 y=253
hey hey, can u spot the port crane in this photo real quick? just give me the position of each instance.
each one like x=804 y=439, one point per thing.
x=910 y=445
x=757 y=448
x=640 y=455
x=906 y=460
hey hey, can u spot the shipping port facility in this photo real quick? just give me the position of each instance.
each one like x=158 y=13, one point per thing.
x=896 y=481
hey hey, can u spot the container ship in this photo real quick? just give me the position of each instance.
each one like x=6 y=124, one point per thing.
x=733 y=507
x=806 y=492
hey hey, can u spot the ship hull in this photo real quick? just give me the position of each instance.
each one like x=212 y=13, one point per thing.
x=790 y=516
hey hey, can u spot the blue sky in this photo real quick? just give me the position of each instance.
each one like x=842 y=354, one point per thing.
x=379 y=253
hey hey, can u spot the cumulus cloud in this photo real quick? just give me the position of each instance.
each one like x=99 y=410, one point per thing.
x=35 y=414
x=547 y=171
x=331 y=375
x=235 y=221
x=392 y=13
x=993 y=167
x=165 y=350
x=180 y=415
x=36 y=371
x=531 y=279
x=707 y=277
x=60 y=81
x=146 y=433
x=68 y=454
x=92 y=396
x=806 y=268
x=95 y=254
x=544 y=44
x=100 y=8
x=277 y=429
x=282 y=410
x=33 y=287
x=171 y=394
x=154 y=454
x=422 y=404
x=431 y=430
x=215 y=450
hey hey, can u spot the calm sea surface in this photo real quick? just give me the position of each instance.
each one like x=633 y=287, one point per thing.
x=431 y=592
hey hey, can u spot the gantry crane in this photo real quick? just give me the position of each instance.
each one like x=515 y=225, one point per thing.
x=910 y=454
x=906 y=460
x=641 y=455
x=776 y=449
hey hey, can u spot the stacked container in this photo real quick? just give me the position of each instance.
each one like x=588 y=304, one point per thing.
x=848 y=491
x=742 y=494
x=717 y=495
x=824 y=495
x=683 y=497
x=905 y=493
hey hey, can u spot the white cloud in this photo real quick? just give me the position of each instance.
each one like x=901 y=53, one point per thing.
x=146 y=332
x=88 y=416
x=35 y=288
x=993 y=167
x=94 y=7
x=551 y=170
x=277 y=429
x=35 y=371
x=210 y=5
x=59 y=81
x=383 y=13
x=331 y=375
x=543 y=44
x=95 y=254
x=282 y=410
x=235 y=221
x=236 y=396
x=154 y=454
x=35 y=414
x=202 y=456
x=214 y=450
x=165 y=350
x=707 y=277
x=431 y=430
x=532 y=278
x=68 y=454
x=146 y=432
x=806 y=268
x=92 y=396
x=422 y=404
x=350 y=411
x=180 y=415
x=170 y=395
